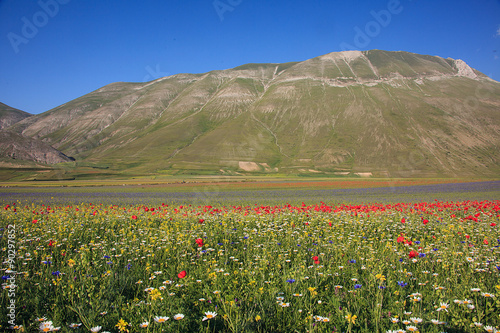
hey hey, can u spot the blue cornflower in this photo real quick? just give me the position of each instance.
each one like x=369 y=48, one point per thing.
x=129 y=266
x=421 y=255
x=357 y=286
x=107 y=257
x=290 y=280
x=56 y=273
x=352 y=261
x=6 y=277
x=402 y=284
x=220 y=244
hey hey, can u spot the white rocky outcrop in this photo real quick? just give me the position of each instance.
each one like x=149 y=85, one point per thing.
x=464 y=69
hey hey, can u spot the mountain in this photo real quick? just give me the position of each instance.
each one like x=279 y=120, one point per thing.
x=375 y=112
x=14 y=146
x=18 y=147
x=9 y=116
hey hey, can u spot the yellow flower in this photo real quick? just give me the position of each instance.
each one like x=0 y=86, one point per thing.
x=71 y=263
x=380 y=277
x=122 y=325
x=257 y=318
x=351 y=319
x=155 y=294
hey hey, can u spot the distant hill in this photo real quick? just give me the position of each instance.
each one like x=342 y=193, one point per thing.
x=377 y=113
x=17 y=147
x=9 y=116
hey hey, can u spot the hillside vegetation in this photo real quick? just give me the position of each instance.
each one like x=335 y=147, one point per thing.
x=370 y=113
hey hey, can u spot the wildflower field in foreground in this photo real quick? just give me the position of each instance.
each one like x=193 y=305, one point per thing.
x=400 y=267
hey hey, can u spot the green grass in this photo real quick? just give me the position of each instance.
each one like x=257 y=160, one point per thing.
x=261 y=268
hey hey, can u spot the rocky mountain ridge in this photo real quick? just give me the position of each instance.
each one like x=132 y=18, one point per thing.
x=371 y=112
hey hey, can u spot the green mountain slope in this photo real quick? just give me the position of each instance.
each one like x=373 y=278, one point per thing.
x=373 y=112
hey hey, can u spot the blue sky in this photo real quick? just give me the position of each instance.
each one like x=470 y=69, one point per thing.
x=52 y=51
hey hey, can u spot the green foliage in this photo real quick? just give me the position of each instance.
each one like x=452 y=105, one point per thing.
x=261 y=268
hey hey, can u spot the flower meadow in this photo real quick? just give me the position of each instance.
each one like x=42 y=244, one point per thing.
x=399 y=267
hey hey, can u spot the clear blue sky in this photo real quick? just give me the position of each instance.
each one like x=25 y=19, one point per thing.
x=52 y=51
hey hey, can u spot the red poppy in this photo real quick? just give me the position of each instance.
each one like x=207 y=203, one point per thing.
x=199 y=241
x=492 y=224
x=485 y=242
x=316 y=259
x=134 y=217
x=181 y=275
x=403 y=220
x=51 y=243
x=400 y=239
x=425 y=221
x=200 y=221
x=34 y=221
x=412 y=254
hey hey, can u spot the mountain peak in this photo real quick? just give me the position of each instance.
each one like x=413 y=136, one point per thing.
x=386 y=113
x=9 y=116
x=464 y=69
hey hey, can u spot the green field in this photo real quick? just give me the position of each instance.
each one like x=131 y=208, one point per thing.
x=255 y=255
